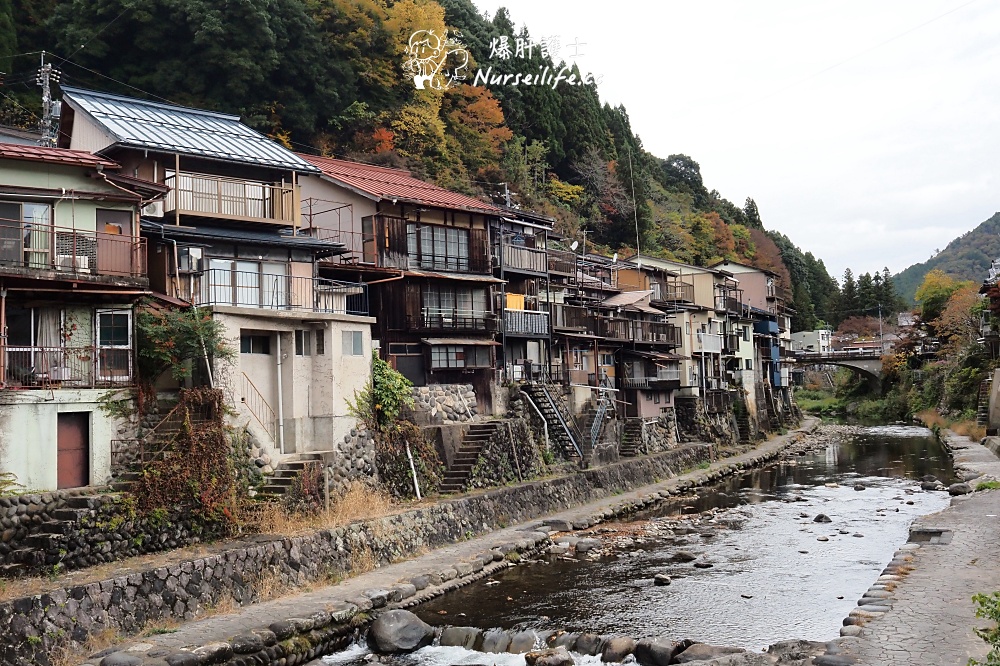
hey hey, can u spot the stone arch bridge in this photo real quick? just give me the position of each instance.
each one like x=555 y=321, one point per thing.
x=868 y=363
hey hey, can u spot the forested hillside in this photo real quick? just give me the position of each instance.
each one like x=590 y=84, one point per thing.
x=968 y=257
x=328 y=76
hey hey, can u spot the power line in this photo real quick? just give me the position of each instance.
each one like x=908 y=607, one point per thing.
x=121 y=83
x=94 y=36
x=18 y=55
x=17 y=104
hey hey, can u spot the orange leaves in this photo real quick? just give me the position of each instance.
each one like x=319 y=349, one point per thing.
x=384 y=139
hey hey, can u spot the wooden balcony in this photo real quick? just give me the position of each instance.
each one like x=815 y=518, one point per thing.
x=230 y=198
x=681 y=292
x=727 y=304
x=562 y=262
x=730 y=343
x=531 y=323
x=657 y=333
x=575 y=317
x=526 y=259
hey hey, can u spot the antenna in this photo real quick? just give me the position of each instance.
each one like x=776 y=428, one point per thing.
x=50 y=110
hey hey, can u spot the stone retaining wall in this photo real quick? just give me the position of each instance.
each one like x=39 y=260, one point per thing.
x=22 y=516
x=355 y=459
x=445 y=403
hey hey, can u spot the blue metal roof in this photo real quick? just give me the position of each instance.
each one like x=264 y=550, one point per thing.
x=169 y=128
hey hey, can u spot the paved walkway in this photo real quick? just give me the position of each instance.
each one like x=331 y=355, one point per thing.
x=259 y=616
x=932 y=615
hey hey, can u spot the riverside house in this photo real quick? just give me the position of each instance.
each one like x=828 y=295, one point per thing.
x=228 y=237
x=72 y=263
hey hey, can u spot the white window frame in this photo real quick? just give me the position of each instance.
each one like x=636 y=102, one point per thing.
x=99 y=347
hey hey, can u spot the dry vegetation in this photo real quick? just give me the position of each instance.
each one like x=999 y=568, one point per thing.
x=967 y=428
x=361 y=501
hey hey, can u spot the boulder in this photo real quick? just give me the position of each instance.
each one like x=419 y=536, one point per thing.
x=684 y=556
x=559 y=656
x=587 y=545
x=959 y=489
x=705 y=652
x=522 y=641
x=657 y=651
x=461 y=636
x=930 y=485
x=494 y=641
x=859 y=486
x=563 y=639
x=822 y=518
x=589 y=644
x=399 y=631
x=661 y=579
x=121 y=659
x=617 y=648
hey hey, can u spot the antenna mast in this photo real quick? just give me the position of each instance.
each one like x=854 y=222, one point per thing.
x=50 y=109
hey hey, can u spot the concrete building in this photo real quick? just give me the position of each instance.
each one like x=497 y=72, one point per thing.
x=819 y=341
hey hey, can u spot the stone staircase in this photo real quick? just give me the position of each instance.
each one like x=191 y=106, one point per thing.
x=45 y=547
x=743 y=426
x=456 y=478
x=631 y=445
x=285 y=474
x=559 y=430
x=983 y=406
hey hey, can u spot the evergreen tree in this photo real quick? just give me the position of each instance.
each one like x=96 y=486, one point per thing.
x=752 y=214
x=867 y=295
x=848 y=304
x=8 y=35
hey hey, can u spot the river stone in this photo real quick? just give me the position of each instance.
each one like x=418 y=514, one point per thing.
x=795 y=649
x=550 y=657
x=929 y=478
x=822 y=518
x=959 y=489
x=522 y=641
x=661 y=579
x=657 y=651
x=617 y=648
x=684 y=556
x=399 y=631
x=586 y=545
x=704 y=652
x=494 y=641
x=563 y=639
x=215 y=653
x=466 y=637
x=247 y=643
x=930 y=485
x=183 y=659
x=559 y=525
x=589 y=644
x=701 y=564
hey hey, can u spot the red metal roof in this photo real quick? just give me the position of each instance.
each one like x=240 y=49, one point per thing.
x=13 y=151
x=388 y=183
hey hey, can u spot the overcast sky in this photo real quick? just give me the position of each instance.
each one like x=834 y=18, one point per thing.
x=866 y=130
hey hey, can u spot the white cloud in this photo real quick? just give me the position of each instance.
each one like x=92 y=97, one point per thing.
x=866 y=132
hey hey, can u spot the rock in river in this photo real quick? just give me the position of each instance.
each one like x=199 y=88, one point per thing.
x=399 y=631
x=552 y=657
x=586 y=545
x=617 y=648
x=661 y=579
x=959 y=489
x=822 y=518
x=705 y=652
x=466 y=637
x=658 y=651
x=684 y=556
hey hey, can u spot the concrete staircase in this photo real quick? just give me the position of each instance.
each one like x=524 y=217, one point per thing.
x=743 y=425
x=983 y=406
x=285 y=474
x=559 y=431
x=456 y=478
x=631 y=445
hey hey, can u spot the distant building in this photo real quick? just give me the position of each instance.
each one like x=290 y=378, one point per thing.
x=818 y=341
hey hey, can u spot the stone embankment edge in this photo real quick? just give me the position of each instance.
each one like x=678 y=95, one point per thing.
x=876 y=603
x=296 y=640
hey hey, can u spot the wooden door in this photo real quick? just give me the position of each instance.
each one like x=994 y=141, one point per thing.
x=73 y=444
x=114 y=242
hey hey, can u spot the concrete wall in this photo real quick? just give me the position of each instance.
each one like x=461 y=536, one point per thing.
x=28 y=441
x=315 y=388
x=993 y=425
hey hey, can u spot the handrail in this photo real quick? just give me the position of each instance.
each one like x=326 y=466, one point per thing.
x=562 y=421
x=602 y=409
x=257 y=406
x=545 y=424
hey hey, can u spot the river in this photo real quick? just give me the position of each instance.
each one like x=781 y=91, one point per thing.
x=774 y=572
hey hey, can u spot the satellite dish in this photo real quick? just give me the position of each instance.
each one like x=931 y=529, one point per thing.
x=574 y=245
x=614 y=259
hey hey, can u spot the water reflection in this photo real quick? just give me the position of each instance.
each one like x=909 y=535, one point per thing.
x=775 y=573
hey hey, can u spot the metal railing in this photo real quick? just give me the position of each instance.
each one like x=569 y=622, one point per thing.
x=527 y=322
x=648 y=381
x=204 y=194
x=76 y=367
x=708 y=343
x=572 y=316
x=248 y=289
x=67 y=250
x=257 y=406
x=727 y=304
x=524 y=258
x=674 y=291
x=731 y=343
x=453 y=319
x=659 y=332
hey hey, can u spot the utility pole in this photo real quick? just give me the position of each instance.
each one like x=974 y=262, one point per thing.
x=50 y=110
x=881 y=339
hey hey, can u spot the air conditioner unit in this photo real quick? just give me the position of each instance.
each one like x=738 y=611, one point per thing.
x=153 y=209
x=69 y=262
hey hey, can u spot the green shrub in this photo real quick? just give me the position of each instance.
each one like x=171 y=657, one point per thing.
x=988 y=607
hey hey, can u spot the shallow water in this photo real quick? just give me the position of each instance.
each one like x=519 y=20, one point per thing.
x=761 y=587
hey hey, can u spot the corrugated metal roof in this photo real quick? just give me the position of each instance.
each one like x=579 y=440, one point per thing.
x=178 y=129
x=15 y=151
x=626 y=298
x=249 y=236
x=387 y=183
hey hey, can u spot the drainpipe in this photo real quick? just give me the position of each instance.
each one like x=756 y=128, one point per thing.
x=281 y=398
